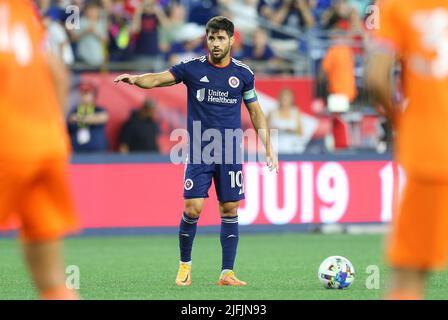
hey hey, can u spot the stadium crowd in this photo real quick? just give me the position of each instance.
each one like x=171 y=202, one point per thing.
x=162 y=32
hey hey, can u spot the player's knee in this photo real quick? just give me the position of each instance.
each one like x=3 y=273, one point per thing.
x=193 y=207
x=229 y=209
x=229 y=212
x=193 y=211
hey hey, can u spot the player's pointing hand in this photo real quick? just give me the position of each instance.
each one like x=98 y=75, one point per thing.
x=127 y=78
x=272 y=163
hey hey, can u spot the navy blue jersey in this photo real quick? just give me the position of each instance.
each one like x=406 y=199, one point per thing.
x=215 y=93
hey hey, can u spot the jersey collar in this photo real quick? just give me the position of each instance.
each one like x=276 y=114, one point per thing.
x=216 y=66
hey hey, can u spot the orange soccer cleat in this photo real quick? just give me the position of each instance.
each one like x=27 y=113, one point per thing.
x=184 y=275
x=229 y=279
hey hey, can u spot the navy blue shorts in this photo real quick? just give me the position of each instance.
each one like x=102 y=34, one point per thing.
x=228 y=179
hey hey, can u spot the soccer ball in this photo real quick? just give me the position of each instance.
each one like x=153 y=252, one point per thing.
x=336 y=272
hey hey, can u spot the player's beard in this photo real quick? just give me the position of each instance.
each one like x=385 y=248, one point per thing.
x=219 y=58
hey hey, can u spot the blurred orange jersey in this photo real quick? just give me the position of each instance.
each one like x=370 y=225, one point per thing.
x=32 y=125
x=417 y=32
x=33 y=152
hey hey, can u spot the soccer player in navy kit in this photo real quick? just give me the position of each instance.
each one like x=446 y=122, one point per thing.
x=217 y=84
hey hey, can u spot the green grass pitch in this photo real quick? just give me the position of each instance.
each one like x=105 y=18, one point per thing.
x=276 y=266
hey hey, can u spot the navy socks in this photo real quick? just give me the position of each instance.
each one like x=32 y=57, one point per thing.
x=187 y=232
x=229 y=241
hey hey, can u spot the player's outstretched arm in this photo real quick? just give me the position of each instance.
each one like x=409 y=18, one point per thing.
x=148 y=80
x=261 y=125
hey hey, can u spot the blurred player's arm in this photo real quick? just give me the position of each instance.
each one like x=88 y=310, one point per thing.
x=379 y=80
x=60 y=76
x=260 y=124
x=385 y=49
x=148 y=80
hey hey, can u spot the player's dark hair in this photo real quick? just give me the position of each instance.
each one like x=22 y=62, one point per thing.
x=220 y=23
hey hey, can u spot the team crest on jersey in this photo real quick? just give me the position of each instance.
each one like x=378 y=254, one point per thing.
x=200 y=94
x=188 y=185
x=234 y=82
